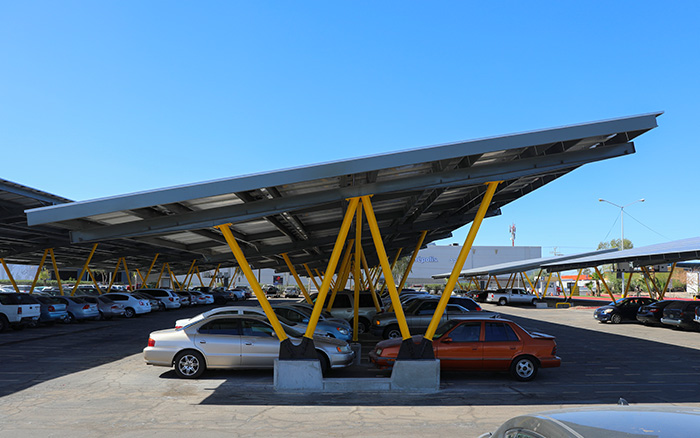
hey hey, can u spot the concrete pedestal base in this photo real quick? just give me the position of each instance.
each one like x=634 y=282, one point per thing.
x=298 y=375
x=357 y=348
x=416 y=375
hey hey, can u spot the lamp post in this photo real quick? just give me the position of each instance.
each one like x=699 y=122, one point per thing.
x=622 y=227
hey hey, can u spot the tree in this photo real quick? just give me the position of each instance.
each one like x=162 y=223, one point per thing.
x=615 y=243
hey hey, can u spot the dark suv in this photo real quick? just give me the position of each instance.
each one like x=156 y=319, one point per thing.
x=681 y=314
x=625 y=308
x=651 y=314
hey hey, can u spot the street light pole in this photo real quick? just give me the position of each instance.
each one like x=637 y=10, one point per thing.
x=622 y=228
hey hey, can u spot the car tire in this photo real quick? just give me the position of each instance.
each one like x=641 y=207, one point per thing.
x=189 y=364
x=524 y=368
x=534 y=301
x=616 y=318
x=362 y=325
x=69 y=319
x=129 y=312
x=392 y=332
x=502 y=302
x=4 y=323
x=325 y=364
x=235 y=298
x=161 y=306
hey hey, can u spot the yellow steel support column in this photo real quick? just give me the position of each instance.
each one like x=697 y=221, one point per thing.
x=160 y=276
x=114 y=275
x=487 y=283
x=55 y=270
x=9 y=275
x=510 y=277
x=189 y=281
x=388 y=277
x=213 y=277
x=332 y=263
x=371 y=283
x=628 y=284
x=546 y=287
x=561 y=284
x=128 y=275
x=38 y=271
x=250 y=276
x=463 y=253
x=92 y=277
x=396 y=259
x=173 y=280
x=77 y=282
x=140 y=276
x=646 y=280
x=341 y=279
x=605 y=285
x=537 y=281
x=653 y=282
x=187 y=277
x=311 y=276
x=296 y=277
x=199 y=276
x=356 y=272
x=412 y=260
x=575 y=288
x=153 y=263
x=668 y=281
x=532 y=288
x=498 y=283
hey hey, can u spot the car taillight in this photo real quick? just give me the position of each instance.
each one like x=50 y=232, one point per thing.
x=115 y=307
x=19 y=310
x=654 y=310
x=478 y=308
x=171 y=299
x=86 y=307
x=52 y=309
x=554 y=351
x=178 y=326
x=151 y=342
x=141 y=303
x=490 y=295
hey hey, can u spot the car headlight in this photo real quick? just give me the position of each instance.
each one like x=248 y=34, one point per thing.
x=606 y=311
x=344 y=349
x=343 y=331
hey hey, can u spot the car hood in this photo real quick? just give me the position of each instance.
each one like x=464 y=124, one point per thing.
x=397 y=341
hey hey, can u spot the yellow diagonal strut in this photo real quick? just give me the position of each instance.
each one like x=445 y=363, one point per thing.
x=250 y=276
x=442 y=304
x=296 y=277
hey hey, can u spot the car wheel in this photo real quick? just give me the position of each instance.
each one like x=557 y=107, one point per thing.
x=325 y=365
x=392 y=332
x=70 y=318
x=189 y=365
x=616 y=318
x=362 y=325
x=235 y=298
x=161 y=306
x=4 y=323
x=502 y=302
x=129 y=312
x=534 y=300
x=524 y=368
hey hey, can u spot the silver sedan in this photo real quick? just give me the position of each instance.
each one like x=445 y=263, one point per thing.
x=232 y=342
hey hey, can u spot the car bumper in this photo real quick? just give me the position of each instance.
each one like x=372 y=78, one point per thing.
x=550 y=362
x=158 y=357
x=604 y=317
x=172 y=305
x=53 y=316
x=87 y=315
x=678 y=323
x=342 y=360
x=381 y=362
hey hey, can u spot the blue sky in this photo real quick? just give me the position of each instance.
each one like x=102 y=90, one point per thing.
x=112 y=97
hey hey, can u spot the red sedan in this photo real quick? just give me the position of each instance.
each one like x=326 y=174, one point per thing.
x=483 y=344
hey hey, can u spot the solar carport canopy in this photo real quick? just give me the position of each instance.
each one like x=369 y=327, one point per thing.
x=519 y=265
x=299 y=211
x=663 y=253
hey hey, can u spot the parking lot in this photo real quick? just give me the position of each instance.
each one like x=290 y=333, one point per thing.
x=89 y=379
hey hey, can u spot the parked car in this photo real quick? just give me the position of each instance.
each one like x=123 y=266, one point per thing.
x=220 y=295
x=343 y=308
x=168 y=298
x=291 y=292
x=208 y=343
x=52 y=309
x=132 y=306
x=697 y=315
x=18 y=310
x=272 y=291
x=203 y=298
x=325 y=315
x=624 y=308
x=107 y=307
x=156 y=304
x=681 y=314
x=418 y=315
x=651 y=314
x=478 y=295
x=511 y=296
x=323 y=327
x=79 y=309
x=185 y=298
x=481 y=344
x=604 y=422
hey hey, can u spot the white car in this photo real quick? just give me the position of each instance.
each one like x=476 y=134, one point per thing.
x=18 y=310
x=230 y=310
x=166 y=296
x=132 y=306
x=202 y=298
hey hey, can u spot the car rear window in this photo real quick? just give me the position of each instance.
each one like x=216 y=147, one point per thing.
x=499 y=332
x=221 y=327
x=467 y=332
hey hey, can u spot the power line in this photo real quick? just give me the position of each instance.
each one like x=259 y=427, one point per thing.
x=605 y=239
x=648 y=228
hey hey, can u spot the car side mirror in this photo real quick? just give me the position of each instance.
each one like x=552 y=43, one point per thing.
x=447 y=341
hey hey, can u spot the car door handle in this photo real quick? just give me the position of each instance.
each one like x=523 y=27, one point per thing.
x=202 y=342
x=249 y=343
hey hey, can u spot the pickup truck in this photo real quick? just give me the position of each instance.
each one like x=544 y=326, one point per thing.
x=18 y=310
x=511 y=296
